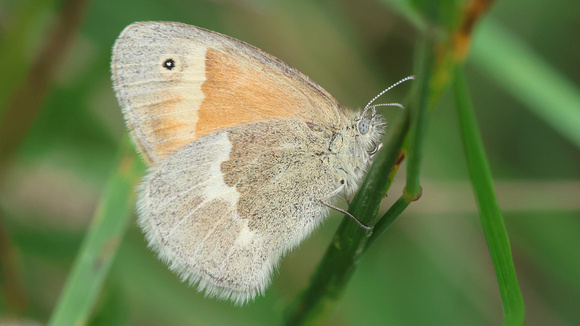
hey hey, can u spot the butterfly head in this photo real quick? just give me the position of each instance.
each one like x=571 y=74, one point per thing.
x=357 y=141
x=370 y=127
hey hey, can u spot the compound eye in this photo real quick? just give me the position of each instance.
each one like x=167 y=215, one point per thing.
x=363 y=126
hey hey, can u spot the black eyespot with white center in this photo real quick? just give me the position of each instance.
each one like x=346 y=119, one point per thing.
x=169 y=64
x=363 y=126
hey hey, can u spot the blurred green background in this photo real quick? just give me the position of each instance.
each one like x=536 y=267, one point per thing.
x=432 y=267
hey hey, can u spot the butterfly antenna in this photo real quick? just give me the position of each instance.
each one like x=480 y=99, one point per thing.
x=369 y=106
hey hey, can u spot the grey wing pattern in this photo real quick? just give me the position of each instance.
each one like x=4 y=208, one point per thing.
x=224 y=209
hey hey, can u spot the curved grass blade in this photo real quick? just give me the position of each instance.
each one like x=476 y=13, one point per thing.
x=489 y=212
x=101 y=242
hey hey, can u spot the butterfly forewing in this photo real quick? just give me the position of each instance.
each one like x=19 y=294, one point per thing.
x=177 y=83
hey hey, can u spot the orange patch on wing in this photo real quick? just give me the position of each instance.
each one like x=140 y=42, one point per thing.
x=238 y=92
x=169 y=128
x=172 y=131
x=236 y=95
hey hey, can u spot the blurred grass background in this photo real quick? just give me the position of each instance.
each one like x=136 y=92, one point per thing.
x=432 y=266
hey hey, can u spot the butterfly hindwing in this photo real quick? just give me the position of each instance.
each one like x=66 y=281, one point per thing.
x=213 y=209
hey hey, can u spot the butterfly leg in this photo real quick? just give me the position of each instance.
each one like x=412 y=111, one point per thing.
x=338 y=209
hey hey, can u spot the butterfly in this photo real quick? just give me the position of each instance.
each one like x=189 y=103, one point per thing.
x=245 y=153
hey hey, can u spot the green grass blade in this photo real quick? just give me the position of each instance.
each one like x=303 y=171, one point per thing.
x=516 y=67
x=490 y=214
x=100 y=245
x=419 y=116
x=386 y=220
